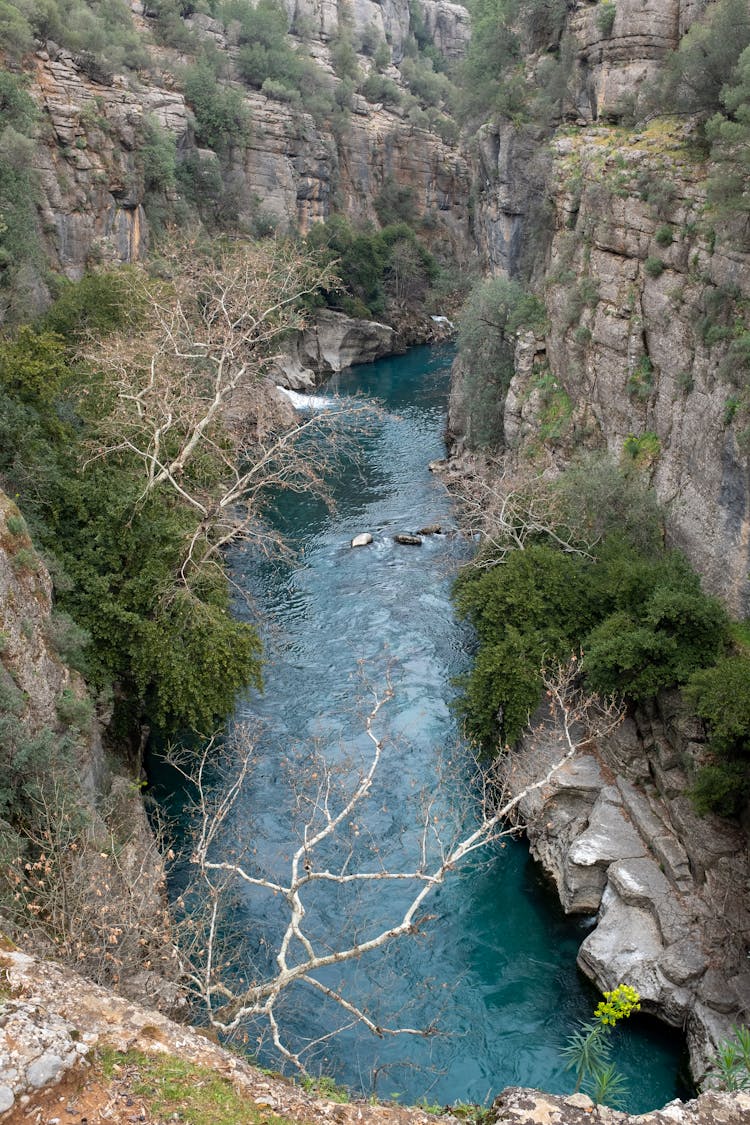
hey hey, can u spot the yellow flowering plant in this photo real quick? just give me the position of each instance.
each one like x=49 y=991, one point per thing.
x=589 y=1048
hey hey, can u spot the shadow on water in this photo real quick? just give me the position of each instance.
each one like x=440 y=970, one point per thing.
x=494 y=971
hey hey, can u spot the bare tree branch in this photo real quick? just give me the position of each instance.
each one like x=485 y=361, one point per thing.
x=329 y=807
x=507 y=512
x=189 y=396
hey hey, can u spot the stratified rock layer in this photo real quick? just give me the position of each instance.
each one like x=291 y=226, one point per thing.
x=668 y=888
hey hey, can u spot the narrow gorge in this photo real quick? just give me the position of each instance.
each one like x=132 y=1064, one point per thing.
x=206 y=206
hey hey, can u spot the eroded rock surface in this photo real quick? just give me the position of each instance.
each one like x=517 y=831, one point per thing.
x=668 y=888
x=331 y=342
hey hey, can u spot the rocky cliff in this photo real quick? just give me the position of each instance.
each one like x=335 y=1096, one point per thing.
x=644 y=294
x=635 y=283
x=81 y=874
x=643 y=291
x=665 y=888
x=290 y=166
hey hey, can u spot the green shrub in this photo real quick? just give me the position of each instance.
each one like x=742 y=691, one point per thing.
x=721 y=788
x=643 y=450
x=20 y=240
x=373 y=265
x=158 y=156
x=664 y=236
x=34 y=367
x=102 y=36
x=686 y=381
x=25 y=560
x=660 y=641
x=720 y=696
x=395 y=203
x=530 y=610
x=489 y=320
x=731 y=407
x=654 y=267
x=344 y=58
x=432 y=89
x=696 y=73
x=729 y=135
x=268 y=61
x=378 y=88
x=16 y=525
x=73 y=711
x=16 y=34
x=118 y=553
x=488 y=77
x=97 y=304
x=595 y=499
x=641 y=379
x=221 y=117
x=605 y=17
x=69 y=639
x=638 y=614
x=170 y=26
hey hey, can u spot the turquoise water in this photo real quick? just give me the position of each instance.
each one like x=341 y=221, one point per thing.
x=493 y=971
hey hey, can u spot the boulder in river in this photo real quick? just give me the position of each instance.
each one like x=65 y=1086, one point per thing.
x=408 y=540
x=363 y=540
x=431 y=529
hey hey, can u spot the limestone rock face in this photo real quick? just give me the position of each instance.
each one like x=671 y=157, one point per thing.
x=509 y=180
x=668 y=888
x=30 y=666
x=90 y=207
x=629 y=363
x=614 y=64
x=37 y=685
x=448 y=26
x=330 y=343
x=289 y=169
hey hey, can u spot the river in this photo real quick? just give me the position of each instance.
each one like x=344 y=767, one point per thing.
x=493 y=973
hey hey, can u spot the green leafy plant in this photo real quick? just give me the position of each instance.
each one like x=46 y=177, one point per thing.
x=589 y=1049
x=326 y=1087
x=731 y=1063
x=664 y=235
x=641 y=379
x=643 y=450
x=494 y=312
x=605 y=17
x=720 y=696
x=654 y=267
x=221 y=117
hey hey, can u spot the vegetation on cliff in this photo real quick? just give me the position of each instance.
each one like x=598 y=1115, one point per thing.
x=596 y=579
x=161 y=640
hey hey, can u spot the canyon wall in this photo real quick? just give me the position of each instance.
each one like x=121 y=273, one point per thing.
x=644 y=292
x=642 y=287
x=289 y=166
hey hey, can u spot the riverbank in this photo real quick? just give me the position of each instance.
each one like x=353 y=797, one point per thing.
x=72 y=1050
x=619 y=838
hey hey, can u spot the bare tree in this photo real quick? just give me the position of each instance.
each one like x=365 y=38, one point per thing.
x=328 y=807
x=86 y=886
x=189 y=402
x=508 y=511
